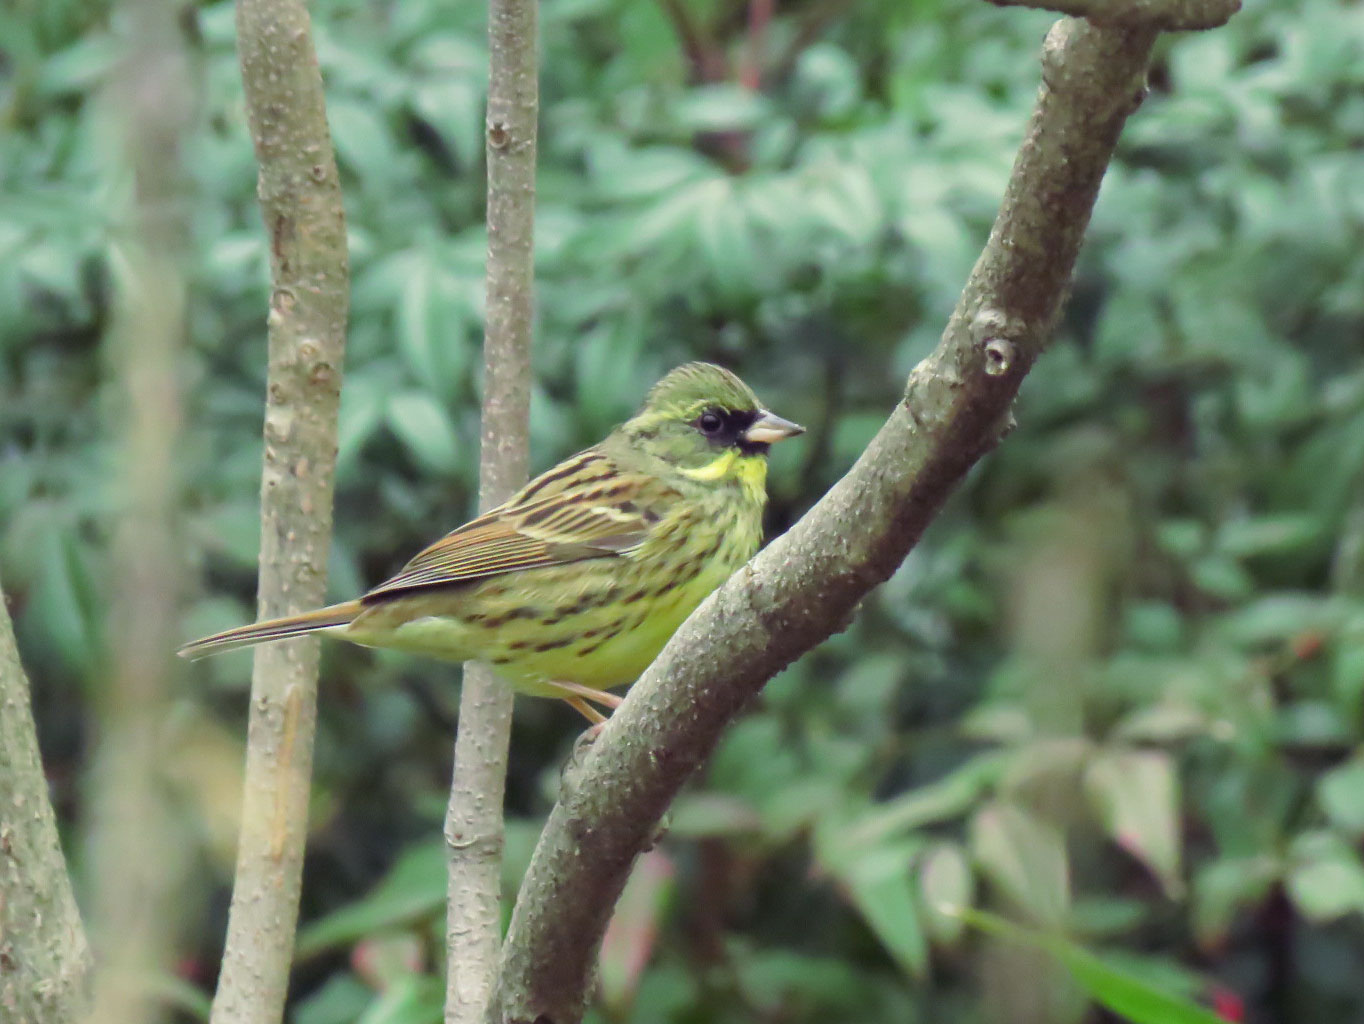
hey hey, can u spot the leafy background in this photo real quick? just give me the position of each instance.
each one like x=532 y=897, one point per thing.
x=1115 y=695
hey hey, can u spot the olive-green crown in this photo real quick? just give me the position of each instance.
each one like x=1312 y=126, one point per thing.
x=690 y=389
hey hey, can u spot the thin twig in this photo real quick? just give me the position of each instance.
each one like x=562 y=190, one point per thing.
x=473 y=823
x=300 y=195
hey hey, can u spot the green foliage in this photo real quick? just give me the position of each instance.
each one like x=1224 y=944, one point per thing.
x=1116 y=693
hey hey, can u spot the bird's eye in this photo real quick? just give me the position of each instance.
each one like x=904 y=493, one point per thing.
x=710 y=421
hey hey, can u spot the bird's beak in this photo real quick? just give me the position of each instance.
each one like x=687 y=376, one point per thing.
x=768 y=428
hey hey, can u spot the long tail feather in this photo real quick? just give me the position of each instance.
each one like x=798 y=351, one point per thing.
x=272 y=629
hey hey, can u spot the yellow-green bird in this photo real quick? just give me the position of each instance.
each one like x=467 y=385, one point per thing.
x=575 y=584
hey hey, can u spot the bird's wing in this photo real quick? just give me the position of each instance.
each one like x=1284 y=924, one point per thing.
x=583 y=508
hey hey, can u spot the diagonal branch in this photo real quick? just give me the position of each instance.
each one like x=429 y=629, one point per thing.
x=806 y=584
x=473 y=820
x=300 y=196
x=1166 y=15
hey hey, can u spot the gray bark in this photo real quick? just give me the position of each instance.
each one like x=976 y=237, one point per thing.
x=45 y=963
x=300 y=196
x=473 y=823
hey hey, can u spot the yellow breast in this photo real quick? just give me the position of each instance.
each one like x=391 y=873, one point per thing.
x=598 y=622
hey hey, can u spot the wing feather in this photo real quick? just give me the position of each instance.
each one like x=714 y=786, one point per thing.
x=584 y=508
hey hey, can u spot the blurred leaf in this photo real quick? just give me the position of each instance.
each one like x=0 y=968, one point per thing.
x=1347 y=668
x=1326 y=878
x=339 y=1000
x=1162 y=723
x=633 y=930
x=946 y=885
x=432 y=320
x=880 y=884
x=1025 y=856
x=1278 y=617
x=178 y=994
x=1136 y=794
x=413 y=888
x=1129 y=330
x=80 y=67
x=62 y=602
x=1270 y=535
x=699 y=815
x=949 y=797
x=721 y=108
x=726 y=244
x=231 y=530
x=1116 y=990
x=387 y=959
x=453 y=105
x=363 y=142
x=1225 y=888
x=412 y=1000
x=417 y=418
x=362 y=411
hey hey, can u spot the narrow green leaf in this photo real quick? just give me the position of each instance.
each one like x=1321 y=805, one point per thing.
x=1117 y=990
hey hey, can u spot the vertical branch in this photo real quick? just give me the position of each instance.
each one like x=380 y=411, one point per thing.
x=473 y=823
x=300 y=197
x=130 y=840
x=41 y=939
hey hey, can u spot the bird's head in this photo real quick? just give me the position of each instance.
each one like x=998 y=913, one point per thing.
x=708 y=424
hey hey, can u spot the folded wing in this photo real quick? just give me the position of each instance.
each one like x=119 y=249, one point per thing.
x=585 y=508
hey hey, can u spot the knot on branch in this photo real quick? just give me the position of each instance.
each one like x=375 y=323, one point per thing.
x=999 y=357
x=993 y=331
x=1162 y=15
x=481 y=844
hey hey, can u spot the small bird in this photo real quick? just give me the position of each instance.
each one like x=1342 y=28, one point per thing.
x=574 y=585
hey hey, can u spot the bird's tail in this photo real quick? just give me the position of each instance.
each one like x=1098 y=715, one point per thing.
x=272 y=629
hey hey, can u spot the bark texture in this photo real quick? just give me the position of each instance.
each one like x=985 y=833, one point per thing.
x=473 y=822
x=44 y=959
x=806 y=584
x=1166 y=15
x=300 y=197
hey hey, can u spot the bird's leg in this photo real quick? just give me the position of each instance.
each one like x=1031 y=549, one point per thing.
x=576 y=693
x=586 y=710
x=577 y=696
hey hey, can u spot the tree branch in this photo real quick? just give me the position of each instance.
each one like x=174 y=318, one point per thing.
x=133 y=916
x=300 y=196
x=47 y=973
x=807 y=583
x=1166 y=15
x=473 y=821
